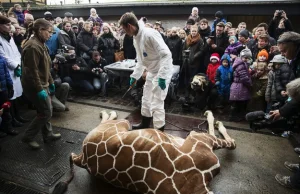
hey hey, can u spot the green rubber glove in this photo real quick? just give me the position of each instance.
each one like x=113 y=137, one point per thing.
x=52 y=88
x=18 y=72
x=162 y=83
x=132 y=80
x=42 y=95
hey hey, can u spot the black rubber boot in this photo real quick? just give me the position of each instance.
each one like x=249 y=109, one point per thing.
x=144 y=124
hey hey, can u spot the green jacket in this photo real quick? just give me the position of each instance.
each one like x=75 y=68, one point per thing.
x=36 y=65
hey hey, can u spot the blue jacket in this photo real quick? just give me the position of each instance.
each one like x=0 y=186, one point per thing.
x=52 y=43
x=20 y=16
x=5 y=79
x=224 y=77
x=214 y=24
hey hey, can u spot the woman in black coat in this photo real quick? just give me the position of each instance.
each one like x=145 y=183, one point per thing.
x=108 y=44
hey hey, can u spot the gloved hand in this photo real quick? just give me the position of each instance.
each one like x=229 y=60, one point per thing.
x=52 y=88
x=18 y=71
x=162 y=83
x=132 y=80
x=42 y=95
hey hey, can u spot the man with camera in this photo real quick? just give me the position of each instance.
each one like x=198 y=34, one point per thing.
x=279 y=24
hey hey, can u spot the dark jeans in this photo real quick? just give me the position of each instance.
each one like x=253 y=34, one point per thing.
x=83 y=85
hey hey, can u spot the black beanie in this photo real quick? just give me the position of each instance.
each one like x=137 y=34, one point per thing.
x=244 y=33
x=219 y=14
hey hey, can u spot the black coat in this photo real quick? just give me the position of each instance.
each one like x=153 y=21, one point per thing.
x=221 y=42
x=283 y=76
x=296 y=64
x=86 y=42
x=204 y=33
x=65 y=38
x=107 y=46
x=175 y=45
x=128 y=47
x=83 y=73
x=275 y=32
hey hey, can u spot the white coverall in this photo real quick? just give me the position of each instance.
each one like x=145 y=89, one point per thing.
x=154 y=56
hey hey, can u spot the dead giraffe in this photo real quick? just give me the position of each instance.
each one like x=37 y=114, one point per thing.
x=150 y=161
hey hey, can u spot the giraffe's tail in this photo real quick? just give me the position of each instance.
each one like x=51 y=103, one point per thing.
x=62 y=186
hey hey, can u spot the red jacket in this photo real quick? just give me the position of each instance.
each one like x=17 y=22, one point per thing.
x=211 y=71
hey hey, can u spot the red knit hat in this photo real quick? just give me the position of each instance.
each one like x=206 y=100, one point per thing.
x=215 y=56
x=263 y=53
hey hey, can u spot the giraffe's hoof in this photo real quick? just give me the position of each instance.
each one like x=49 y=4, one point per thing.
x=113 y=114
x=207 y=112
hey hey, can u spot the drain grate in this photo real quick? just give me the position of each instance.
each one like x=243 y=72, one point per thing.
x=11 y=188
x=44 y=166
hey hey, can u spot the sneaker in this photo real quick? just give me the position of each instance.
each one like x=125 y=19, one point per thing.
x=291 y=167
x=52 y=137
x=32 y=144
x=285 y=134
x=297 y=150
x=285 y=181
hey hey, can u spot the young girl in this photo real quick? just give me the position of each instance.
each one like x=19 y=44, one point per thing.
x=233 y=49
x=260 y=81
x=270 y=95
x=213 y=66
x=240 y=88
x=224 y=80
x=262 y=56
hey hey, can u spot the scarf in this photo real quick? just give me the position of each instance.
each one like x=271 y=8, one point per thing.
x=192 y=40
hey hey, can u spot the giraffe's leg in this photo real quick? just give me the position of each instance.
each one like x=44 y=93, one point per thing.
x=104 y=116
x=210 y=120
x=223 y=131
x=113 y=115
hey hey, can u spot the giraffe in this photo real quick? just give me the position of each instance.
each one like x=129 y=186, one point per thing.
x=150 y=161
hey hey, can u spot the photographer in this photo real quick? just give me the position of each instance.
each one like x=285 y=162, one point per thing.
x=279 y=24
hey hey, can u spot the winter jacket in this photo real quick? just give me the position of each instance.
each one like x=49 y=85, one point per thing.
x=224 y=77
x=290 y=109
x=241 y=86
x=196 y=51
x=255 y=50
x=101 y=64
x=211 y=71
x=83 y=73
x=86 y=42
x=66 y=39
x=221 y=42
x=107 y=46
x=5 y=79
x=275 y=32
x=96 y=19
x=271 y=90
x=52 y=42
x=258 y=91
x=234 y=49
x=174 y=44
x=128 y=47
x=282 y=77
x=36 y=64
x=20 y=17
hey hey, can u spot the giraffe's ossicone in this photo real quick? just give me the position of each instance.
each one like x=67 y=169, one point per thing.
x=150 y=161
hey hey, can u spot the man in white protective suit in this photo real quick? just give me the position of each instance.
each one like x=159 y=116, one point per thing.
x=154 y=56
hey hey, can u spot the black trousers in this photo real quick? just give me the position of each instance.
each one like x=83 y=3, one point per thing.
x=295 y=179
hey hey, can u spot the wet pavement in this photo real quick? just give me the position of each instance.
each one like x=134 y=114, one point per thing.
x=250 y=168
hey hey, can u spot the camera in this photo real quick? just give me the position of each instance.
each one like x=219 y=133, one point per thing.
x=186 y=54
x=279 y=13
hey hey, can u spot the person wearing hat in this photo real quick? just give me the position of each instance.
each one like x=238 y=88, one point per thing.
x=75 y=29
x=243 y=37
x=194 y=15
x=68 y=17
x=52 y=42
x=189 y=23
x=241 y=86
x=9 y=50
x=219 y=17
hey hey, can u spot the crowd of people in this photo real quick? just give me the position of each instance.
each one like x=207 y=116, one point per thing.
x=42 y=59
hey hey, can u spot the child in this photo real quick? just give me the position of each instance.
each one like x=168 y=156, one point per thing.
x=233 y=49
x=213 y=66
x=241 y=86
x=99 y=76
x=262 y=56
x=19 y=13
x=259 y=81
x=270 y=95
x=223 y=80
